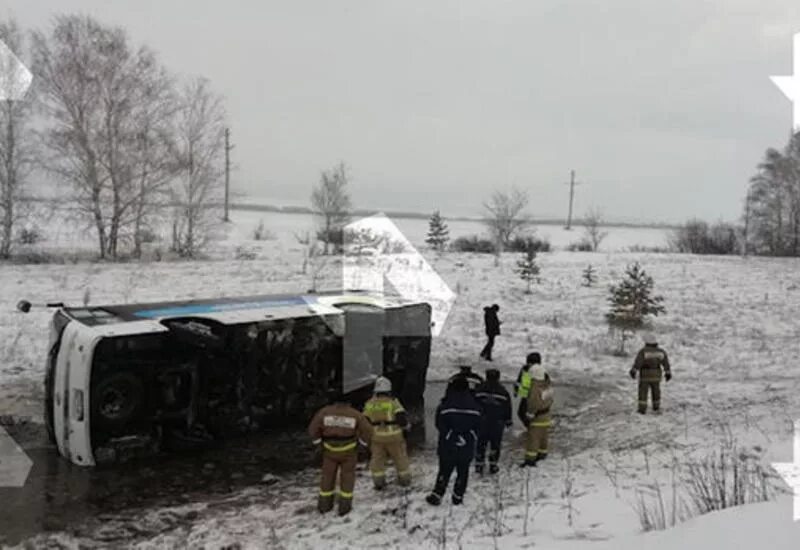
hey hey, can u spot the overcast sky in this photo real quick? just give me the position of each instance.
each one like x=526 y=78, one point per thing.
x=662 y=107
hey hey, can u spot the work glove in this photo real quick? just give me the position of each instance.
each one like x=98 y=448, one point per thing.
x=668 y=376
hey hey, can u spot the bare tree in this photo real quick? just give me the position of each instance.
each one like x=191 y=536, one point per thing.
x=199 y=147
x=772 y=209
x=592 y=228
x=15 y=138
x=505 y=216
x=99 y=94
x=155 y=164
x=330 y=201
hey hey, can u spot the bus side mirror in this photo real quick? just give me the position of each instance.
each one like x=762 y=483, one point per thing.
x=24 y=306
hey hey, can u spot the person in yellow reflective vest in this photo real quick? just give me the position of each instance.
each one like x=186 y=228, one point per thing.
x=339 y=428
x=523 y=386
x=389 y=420
x=540 y=400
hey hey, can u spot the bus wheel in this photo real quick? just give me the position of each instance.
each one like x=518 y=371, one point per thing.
x=118 y=398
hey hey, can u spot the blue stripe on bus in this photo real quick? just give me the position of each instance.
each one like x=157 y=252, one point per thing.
x=197 y=309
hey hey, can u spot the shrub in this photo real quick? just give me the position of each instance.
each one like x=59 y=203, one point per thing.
x=580 y=246
x=333 y=237
x=523 y=244
x=30 y=235
x=243 y=253
x=473 y=244
x=697 y=237
x=261 y=233
x=638 y=248
x=148 y=236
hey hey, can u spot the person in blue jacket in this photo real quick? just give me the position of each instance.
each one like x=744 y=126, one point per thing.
x=496 y=403
x=458 y=419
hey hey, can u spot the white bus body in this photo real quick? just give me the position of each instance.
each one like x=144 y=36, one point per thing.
x=130 y=380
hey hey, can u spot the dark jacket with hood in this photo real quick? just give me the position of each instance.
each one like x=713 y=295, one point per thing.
x=495 y=401
x=491 y=321
x=458 y=419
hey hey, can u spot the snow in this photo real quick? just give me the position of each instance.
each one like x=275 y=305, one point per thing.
x=731 y=331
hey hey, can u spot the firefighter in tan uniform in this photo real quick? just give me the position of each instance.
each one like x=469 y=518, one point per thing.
x=540 y=400
x=388 y=419
x=650 y=362
x=340 y=429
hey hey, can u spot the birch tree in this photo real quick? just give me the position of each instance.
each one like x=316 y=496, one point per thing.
x=98 y=95
x=330 y=201
x=199 y=135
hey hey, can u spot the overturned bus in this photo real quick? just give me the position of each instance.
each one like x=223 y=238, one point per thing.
x=131 y=380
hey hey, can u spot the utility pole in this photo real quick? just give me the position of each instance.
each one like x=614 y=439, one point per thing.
x=572 y=184
x=228 y=148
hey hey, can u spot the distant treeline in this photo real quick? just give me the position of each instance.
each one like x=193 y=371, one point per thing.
x=421 y=216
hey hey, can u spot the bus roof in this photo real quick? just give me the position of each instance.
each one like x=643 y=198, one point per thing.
x=233 y=310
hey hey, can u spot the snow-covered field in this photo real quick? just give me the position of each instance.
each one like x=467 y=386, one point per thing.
x=62 y=233
x=731 y=330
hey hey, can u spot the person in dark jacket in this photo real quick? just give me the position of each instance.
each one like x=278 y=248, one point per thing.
x=492 y=326
x=458 y=419
x=465 y=371
x=496 y=404
x=650 y=364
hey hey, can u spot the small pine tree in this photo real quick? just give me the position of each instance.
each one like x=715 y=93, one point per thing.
x=527 y=268
x=589 y=276
x=632 y=303
x=438 y=234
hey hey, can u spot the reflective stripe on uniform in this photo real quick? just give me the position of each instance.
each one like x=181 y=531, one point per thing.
x=339 y=448
x=531 y=453
x=495 y=395
x=386 y=430
x=460 y=411
x=326 y=493
x=545 y=424
x=343 y=494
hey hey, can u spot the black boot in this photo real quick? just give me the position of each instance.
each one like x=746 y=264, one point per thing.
x=325 y=504
x=493 y=468
x=433 y=499
x=479 y=468
x=345 y=505
x=458 y=500
x=529 y=463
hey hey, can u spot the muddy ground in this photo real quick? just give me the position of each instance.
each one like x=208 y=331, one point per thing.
x=107 y=505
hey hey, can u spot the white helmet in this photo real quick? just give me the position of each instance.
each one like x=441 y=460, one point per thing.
x=538 y=372
x=650 y=338
x=383 y=385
